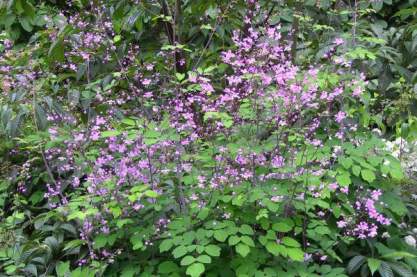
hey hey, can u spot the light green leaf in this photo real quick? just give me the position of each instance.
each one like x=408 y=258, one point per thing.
x=111 y=133
x=290 y=242
x=187 y=260
x=233 y=240
x=246 y=229
x=373 y=265
x=296 y=254
x=151 y=194
x=62 y=268
x=204 y=259
x=195 y=269
x=356 y=170
x=248 y=241
x=276 y=249
x=179 y=251
x=220 y=235
x=180 y=76
x=165 y=245
x=368 y=175
x=281 y=227
x=212 y=250
x=346 y=162
x=399 y=255
x=344 y=179
x=242 y=249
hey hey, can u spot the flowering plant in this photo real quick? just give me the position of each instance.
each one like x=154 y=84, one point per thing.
x=122 y=161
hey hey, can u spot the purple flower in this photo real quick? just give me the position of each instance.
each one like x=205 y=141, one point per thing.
x=340 y=116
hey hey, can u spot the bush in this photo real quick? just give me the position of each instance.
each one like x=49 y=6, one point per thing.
x=119 y=163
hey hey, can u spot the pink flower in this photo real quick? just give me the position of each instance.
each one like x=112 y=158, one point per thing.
x=277 y=162
x=95 y=135
x=333 y=186
x=345 y=190
x=340 y=116
x=277 y=198
x=341 y=224
x=338 y=41
x=146 y=82
x=376 y=194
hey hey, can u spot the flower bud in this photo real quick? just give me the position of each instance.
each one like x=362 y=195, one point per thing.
x=410 y=240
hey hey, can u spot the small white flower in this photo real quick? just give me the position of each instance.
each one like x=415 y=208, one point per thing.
x=402 y=225
x=410 y=240
x=377 y=131
x=308 y=257
x=386 y=235
x=414 y=230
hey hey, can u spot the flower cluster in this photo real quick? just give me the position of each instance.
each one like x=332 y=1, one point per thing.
x=367 y=218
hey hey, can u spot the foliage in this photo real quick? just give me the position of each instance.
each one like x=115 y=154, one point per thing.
x=173 y=138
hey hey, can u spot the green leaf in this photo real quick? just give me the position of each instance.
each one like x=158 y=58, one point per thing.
x=78 y=214
x=73 y=244
x=165 y=245
x=398 y=255
x=290 y=242
x=281 y=227
x=356 y=170
x=377 y=5
x=187 y=260
x=368 y=175
x=322 y=230
x=248 y=241
x=296 y=254
x=111 y=133
x=276 y=249
x=180 y=76
x=212 y=250
x=26 y=25
x=344 y=179
x=29 y=10
x=100 y=241
x=151 y=194
x=179 y=251
x=18 y=5
x=116 y=211
x=401 y=270
x=56 y=51
x=204 y=259
x=136 y=242
x=130 y=271
x=245 y=229
x=373 y=265
x=195 y=270
x=394 y=203
x=346 y=162
x=62 y=268
x=188 y=237
x=396 y=173
x=167 y=267
x=233 y=240
x=355 y=263
x=220 y=235
x=385 y=270
x=203 y=214
x=242 y=249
